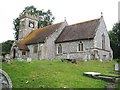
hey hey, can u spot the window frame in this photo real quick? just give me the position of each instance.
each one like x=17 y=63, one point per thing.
x=59 y=49
x=103 y=41
x=80 y=46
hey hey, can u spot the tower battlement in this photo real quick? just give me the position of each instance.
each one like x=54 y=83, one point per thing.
x=27 y=15
x=28 y=23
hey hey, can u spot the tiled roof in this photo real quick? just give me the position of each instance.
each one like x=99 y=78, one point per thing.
x=79 y=31
x=38 y=35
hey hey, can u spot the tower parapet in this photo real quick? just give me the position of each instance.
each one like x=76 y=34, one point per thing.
x=28 y=22
x=27 y=15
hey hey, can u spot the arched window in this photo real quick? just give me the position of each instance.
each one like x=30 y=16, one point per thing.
x=103 y=41
x=80 y=46
x=59 y=50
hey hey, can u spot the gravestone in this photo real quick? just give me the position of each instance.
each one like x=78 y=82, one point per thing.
x=20 y=59
x=29 y=59
x=116 y=67
x=5 y=81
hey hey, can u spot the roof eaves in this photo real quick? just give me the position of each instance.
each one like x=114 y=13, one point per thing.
x=74 y=40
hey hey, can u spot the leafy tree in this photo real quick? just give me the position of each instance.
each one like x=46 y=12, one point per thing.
x=16 y=23
x=46 y=18
x=115 y=40
x=6 y=47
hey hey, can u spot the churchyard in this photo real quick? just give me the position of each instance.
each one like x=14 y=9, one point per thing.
x=58 y=74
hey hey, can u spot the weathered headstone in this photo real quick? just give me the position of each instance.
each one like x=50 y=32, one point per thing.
x=8 y=58
x=101 y=60
x=116 y=67
x=6 y=83
x=19 y=59
x=29 y=59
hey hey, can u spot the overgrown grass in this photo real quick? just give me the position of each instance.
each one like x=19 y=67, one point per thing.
x=56 y=74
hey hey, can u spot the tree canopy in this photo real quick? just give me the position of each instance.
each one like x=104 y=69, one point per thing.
x=46 y=18
x=6 y=47
x=115 y=40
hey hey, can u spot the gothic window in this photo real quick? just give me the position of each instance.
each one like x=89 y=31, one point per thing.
x=103 y=41
x=59 y=50
x=35 y=48
x=80 y=46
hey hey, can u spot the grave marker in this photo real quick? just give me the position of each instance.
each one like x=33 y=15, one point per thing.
x=116 y=67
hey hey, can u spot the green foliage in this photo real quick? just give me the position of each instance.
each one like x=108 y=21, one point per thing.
x=115 y=40
x=46 y=18
x=6 y=47
x=56 y=74
x=16 y=23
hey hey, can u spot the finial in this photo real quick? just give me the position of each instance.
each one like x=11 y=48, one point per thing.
x=101 y=14
x=64 y=18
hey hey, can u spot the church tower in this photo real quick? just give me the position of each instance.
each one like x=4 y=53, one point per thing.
x=28 y=23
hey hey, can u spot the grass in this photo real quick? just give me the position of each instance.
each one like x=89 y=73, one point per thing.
x=56 y=74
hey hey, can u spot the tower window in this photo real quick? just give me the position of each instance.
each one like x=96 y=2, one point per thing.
x=59 y=50
x=103 y=41
x=80 y=46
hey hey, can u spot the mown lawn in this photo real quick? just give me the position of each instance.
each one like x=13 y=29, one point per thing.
x=56 y=74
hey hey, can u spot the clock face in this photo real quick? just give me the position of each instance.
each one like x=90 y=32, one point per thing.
x=31 y=25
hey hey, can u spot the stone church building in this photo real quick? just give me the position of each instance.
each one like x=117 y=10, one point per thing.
x=82 y=41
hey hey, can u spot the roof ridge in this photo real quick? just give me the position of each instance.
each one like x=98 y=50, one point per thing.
x=82 y=30
x=50 y=25
x=84 y=22
x=38 y=29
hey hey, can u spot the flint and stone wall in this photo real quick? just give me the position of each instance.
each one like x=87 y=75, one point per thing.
x=46 y=50
x=70 y=50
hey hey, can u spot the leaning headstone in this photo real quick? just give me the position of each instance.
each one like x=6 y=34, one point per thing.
x=116 y=67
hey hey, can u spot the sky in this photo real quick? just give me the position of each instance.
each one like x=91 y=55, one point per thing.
x=74 y=11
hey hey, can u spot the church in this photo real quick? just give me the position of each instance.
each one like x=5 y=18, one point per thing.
x=86 y=40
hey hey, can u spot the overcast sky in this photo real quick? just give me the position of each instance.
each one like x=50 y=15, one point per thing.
x=75 y=11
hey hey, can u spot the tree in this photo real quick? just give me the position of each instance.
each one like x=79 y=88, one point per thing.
x=115 y=40
x=6 y=47
x=46 y=18
x=16 y=23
